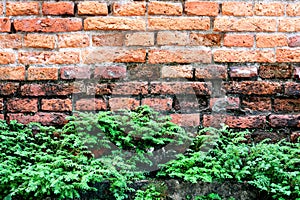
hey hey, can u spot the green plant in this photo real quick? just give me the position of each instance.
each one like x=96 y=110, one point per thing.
x=150 y=193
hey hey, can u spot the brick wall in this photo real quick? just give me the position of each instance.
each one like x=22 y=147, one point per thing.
x=204 y=62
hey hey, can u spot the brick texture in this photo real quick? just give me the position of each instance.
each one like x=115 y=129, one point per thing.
x=39 y=41
x=92 y=8
x=58 y=8
x=22 y=8
x=164 y=8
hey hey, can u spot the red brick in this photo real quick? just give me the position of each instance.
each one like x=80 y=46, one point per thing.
x=186 y=119
x=269 y=9
x=42 y=73
x=211 y=72
x=289 y=25
x=123 y=103
x=70 y=72
x=5 y=25
x=22 y=8
x=48 y=24
x=46 y=119
x=186 y=88
x=90 y=104
x=284 y=120
x=175 y=23
x=292 y=89
x=288 y=55
x=22 y=105
x=200 y=39
x=73 y=41
x=158 y=103
x=39 y=41
x=255 y=121
x=92 y=8
x=230 y=103
x=50 y=89
x=293 y=9
x=295 y=136
x=276 y=71
x=7 y=58
x=172 y=38
x=243 y=71
x=12 y=73
x=13 y=41
x=257 y=104
x=237 y=9
x=244 y=56
x=129 y=88
x=164 y=8
x=179 y=71
x=139 y=39
x=268 y=41
x=99 y=89
x=56 y=104
x=110 y=39
x=179 y=56
x=110 y=72
x=292 y=105
x=47 y=57
x=238 y=40
x=1 y=104
x=114 y=23
x=252 y=87
x=215 y=120
x=224 y=24
x=58 y=8
x=297 y=73
x=203 y=8
x=129 y=9
x=294 y=41
x=1 y=8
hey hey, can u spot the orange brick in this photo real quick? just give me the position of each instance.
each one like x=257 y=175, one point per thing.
x=172 y=38
x=56 y=104
x=185 y=88
x=22 y=105
x=244 y=24
x=22 y=8
x=186 y=119
x=1 y=8
x=179 y=56
x=42 y=73
x=164 y=8
x=46 y=57
x=39 y=41
x=288 y=55
x=257 y=104
x=73 y=41
x=114 y=23
x=129 y=88
x=123 y=103
x=204 y=8
x=12 y=73
x=244 y=56
x=58 y=8
x=277 y=71
x=292 y=105
x=48 y=24
x=267 y=41
x=5 y=25
x=1 y=104
x=253 y=87
x=200 y=39
x=269 y=9
x=8 y=88
x=92 y=8
x=139 y=39
x=49 y=89
x=91 y=104
x=180 y=71
x=252 y=121
x=238 y=40
x=108 y=39
x=158 y=103
x=11 y=41
x=237 y=9
x=129 y=9
x=184 y=23
x=293 y=9
x=289 y=25
x=7 y=58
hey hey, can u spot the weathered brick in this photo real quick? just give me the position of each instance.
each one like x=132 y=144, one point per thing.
x=204 y=8
x=214 y=120
x=172 y=38
x=42 y=73
x=46 y=119
x=7 y=58
x=48 y=24
x=123 y=103
x=237 y=9
x=99 y=89
x=193 y=88
x=50 y=89
x=8 y=88
x=71 y=72
x=90 y=104
x=289 y=25
x=22 y=105
x=230 y=103
x=143 y=72
x=189 y=103
x=192 y=120
x=13 y=41
x=114 y=23
x=129 y=9
x=39 y=41
x=292 y=89
x=238 y=40
x=5 y=24
x=12 y=73
x=179 y=56
x=291 y=105
x=108 y=39
x=297 y=73
x=114 y=55
x=200 y=39
x=243 y=71
x=174 y=23
x=46 y=57
x=73 y=41
x=158 y=103
x=252 y=121
x=110 y=72
x=129 y=88
x=256 y=24
x=257 y=104
x=164 y=8
x=58 y=8
x=269 y=9
x=252 y=87
x=284 y=121
x=1 y=8
x=179 y=71
x=295 y=136
x=293 y=9
x=211 y=72
x=22 y=8
x=276 y=71
x=92 y=8
x=294 y=41
x=267 y=41
x=56 y=104
x=287 y=55
x=244 y=56
x=1 y=104
x=139 y=39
